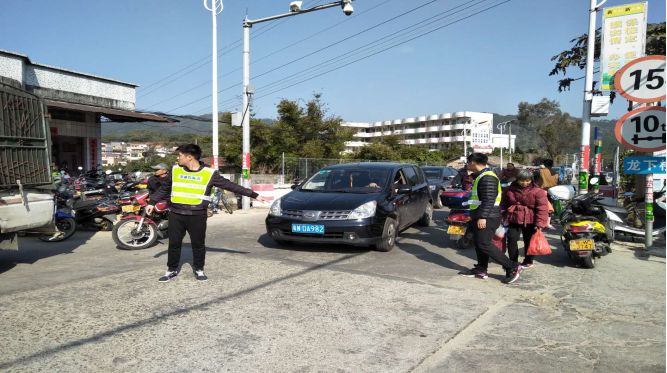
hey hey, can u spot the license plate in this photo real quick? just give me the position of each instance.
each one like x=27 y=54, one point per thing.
x=456 y=229
x=582 y=244
x=130 y=208
x=308 y=228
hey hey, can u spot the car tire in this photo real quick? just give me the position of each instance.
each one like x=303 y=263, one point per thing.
x=389 y=233
x=427 y=217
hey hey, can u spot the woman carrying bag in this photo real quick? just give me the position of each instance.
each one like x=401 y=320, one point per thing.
x=525 y=210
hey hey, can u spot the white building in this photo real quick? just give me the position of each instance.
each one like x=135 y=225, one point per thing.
x=437 y=131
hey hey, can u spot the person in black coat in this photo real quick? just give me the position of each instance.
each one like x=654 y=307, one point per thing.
x=485 y=214
x=157 y=179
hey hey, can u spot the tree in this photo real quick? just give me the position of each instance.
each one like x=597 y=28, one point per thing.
x=550 y=125
x=576 y=55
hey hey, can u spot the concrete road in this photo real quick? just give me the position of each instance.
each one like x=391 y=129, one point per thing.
x=82 y=305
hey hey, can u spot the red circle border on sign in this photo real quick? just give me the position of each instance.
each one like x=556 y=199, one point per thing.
x=617 y=80
x=619 y=124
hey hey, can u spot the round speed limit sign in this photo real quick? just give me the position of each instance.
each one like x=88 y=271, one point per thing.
x=642 y=80
x=642 y=129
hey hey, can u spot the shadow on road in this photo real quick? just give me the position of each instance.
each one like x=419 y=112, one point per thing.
x=31 y=249
x=167 y=315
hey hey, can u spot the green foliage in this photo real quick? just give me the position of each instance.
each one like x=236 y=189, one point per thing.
x=389 y=148
x=576 y=55
x=550 y=124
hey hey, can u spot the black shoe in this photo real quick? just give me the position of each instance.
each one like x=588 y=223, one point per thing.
x=199 y=275
x=475 y=272
x=516 y=273
x=168 y=276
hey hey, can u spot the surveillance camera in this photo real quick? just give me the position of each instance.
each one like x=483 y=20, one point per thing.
x=347 y=9
x=295 y=6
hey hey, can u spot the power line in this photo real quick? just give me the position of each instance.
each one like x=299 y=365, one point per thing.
x=263 y=57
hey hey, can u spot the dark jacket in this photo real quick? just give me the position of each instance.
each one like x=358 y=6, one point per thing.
x=487 y=191
x=216 y=180
x=463 y=179
x=154 y=183
x=525 y=206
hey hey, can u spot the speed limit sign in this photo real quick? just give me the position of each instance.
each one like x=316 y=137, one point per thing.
x=642 y=80
x=642 y=129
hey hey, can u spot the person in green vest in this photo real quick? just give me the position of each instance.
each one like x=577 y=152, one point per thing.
x=485 y=213
x=189 y=188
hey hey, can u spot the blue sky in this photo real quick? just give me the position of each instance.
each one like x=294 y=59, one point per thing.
x=489 y=62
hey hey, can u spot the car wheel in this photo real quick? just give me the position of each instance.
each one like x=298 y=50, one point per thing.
x=389 y=233
x=426 y=218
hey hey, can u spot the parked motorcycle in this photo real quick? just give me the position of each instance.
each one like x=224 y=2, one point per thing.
x=96 y=214
x=630 y=219
x=458 y=219
x=63 y=218
x=136 y=230
x=586 y=234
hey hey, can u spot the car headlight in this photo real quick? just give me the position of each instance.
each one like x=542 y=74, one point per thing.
x=364 y=211
x=275 y=208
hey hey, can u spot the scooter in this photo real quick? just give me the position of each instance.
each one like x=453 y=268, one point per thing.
x=458 y=219
x=97 y=214
x=586 y=234
x=629 y=220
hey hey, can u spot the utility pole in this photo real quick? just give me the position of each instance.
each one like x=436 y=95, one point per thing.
x=509 y=141
x=215 y=9
x=295 y=9
x=588 y=98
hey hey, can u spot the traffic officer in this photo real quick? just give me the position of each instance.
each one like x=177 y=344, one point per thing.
x=189 y=187
x=485 y=213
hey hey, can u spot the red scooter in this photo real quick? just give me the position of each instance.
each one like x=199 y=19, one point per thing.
x=458 y=219
x=136 y=230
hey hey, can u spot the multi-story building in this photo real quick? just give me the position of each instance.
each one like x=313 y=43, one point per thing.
x=437 y=131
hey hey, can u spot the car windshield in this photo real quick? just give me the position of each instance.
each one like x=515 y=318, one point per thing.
x=352 y=180
x=433 y=173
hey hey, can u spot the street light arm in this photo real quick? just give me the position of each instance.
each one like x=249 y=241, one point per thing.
x=250 y=22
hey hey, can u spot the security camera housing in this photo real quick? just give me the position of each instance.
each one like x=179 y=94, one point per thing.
x=295 y=6
x=347 y=9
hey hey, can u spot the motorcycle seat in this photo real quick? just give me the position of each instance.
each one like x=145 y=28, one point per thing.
x=615 y=209
x=79 y=204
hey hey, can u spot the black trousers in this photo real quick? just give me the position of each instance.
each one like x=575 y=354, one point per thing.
x=195 y=225
x=485 y=248
x=516 y=230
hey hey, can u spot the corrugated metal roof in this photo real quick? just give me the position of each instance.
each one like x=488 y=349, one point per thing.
x=113 y=114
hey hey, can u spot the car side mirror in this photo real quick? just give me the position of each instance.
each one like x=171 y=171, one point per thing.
x=403 y=189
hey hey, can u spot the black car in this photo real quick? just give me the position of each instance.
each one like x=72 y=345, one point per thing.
x=438 y=178
x=360 y=204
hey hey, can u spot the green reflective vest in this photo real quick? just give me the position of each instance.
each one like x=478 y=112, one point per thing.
x=188 y=187
x=474 y=201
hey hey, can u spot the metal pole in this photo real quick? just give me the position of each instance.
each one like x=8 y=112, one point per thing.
x=597 y=166
x=465 y=145
x=648 y=208
x=588 y=97
x=245 y=155
x=616 y=172
x=501 y=146
x=282 y=181
x=214 y=76
x=509 y=142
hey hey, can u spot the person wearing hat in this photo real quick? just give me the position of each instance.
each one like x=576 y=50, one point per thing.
x=157 y=179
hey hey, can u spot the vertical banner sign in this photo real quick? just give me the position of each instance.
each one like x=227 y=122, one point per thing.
x=246 y=166
x=623 y=39
x=649 y=197
x=584 y=164
x=597 y=171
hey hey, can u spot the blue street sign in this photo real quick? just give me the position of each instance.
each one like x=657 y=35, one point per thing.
x=644 y=165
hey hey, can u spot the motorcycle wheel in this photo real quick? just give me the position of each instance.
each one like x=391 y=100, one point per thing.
x=466 y=242
x=67 y=226
x=589 y=261
x=209 y=212
x=127 y=237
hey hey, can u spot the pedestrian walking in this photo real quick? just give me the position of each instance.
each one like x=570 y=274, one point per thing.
x=485 y=213
x=189 y=188
x=525 y=209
